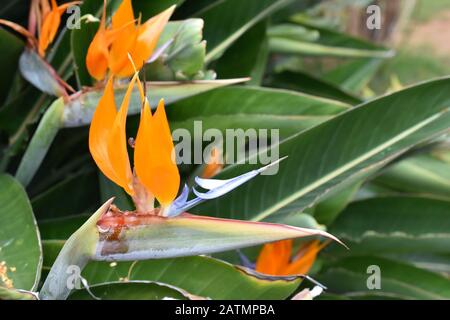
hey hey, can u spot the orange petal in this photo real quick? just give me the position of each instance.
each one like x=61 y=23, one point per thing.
x=49 y=28
x=62 y=8
x=125 y=41
x=274 y=257
x=147 y=38
x=98 y=51
x=305 y=258
x=153 y=152
x=102 y=120
x=45 y=8
x=117 y=143
x=107 y=138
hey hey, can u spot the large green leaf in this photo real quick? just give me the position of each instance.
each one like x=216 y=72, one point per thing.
x=349 y=146
x=20 y=244
x=398 y=280
x=133 y=290
x=253 y=107
x=394 y=225
x=230 y=19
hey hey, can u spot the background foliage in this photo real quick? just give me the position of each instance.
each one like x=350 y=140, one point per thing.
x=369 y=159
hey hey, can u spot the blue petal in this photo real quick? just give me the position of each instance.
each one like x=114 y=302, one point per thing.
x=180 y=202
x=245 y=261
x=216 y=189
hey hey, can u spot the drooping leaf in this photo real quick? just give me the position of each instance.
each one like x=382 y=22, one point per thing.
x=20 y=244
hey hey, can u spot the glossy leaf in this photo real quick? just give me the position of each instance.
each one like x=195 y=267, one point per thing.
x=253 y=107
x=20 y=244
x=349 y=146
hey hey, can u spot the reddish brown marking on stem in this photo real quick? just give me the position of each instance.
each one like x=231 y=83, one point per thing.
x=112 y=224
